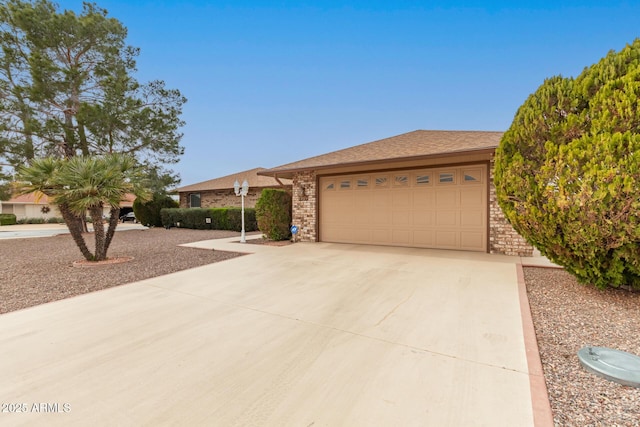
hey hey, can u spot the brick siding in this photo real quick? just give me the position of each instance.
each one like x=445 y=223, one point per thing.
x=304 y=205
x=503 y=239
x=222 y=198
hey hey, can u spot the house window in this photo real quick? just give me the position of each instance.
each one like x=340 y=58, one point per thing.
x=194 y=200
x=423 y=179
x=447 y=177
x=381 y=181
x=401 y=181
x=362 y=183
x=330 y=186
x=472 y=175
x=345 y=184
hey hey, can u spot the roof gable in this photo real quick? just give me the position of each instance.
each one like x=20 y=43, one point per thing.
x=419 y=143
x=226 y=182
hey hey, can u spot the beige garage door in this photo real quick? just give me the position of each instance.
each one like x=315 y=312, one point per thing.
x=442 y=208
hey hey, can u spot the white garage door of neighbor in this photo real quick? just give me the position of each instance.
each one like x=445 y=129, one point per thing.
x=444 y=208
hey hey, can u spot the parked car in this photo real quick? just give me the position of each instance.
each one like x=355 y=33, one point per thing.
x=128 y=217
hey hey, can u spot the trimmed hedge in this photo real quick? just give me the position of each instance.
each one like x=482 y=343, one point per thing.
x=7 y=219
x=36 y=220
x=273 y=211
x=221 y=218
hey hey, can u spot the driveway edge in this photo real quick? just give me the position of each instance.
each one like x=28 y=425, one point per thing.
x=542 y=414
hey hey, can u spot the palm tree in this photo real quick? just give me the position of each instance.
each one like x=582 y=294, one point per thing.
x=85 y=184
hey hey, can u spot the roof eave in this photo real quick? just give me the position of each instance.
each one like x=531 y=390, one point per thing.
x=288 y=173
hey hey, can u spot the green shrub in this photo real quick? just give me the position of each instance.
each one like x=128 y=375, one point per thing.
x=567 y=171
x=273 y=214
x=7 y=219
x=31 y=221
x=55 y=220
x=234 y=219
x=148 y=213
x=220 y=218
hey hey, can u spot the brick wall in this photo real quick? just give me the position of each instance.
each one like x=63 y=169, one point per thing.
x=304 y=205
x=503 y=239
x=222 y=198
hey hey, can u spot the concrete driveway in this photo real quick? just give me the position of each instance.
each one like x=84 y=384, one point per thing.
x=303 y=335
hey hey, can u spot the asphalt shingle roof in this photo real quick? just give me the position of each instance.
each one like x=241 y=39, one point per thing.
x=416 y=144
x=226 y=182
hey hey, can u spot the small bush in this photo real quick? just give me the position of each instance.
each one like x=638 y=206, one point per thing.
x=7 y=219
x=31 y=221
x=273 y=213
x=55 y=220
x=148 y=213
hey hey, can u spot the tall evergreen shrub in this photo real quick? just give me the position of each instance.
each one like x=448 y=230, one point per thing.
x=148 y=213
x=567 y=171
x=273 y=213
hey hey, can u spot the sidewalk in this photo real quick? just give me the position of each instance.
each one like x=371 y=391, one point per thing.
x=21 y=231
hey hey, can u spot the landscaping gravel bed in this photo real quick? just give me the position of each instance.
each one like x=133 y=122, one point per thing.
x=39 y=270
x=568 y=316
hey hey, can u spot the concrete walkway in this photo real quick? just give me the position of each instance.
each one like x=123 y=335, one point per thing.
x=22 y=231
x=303 y=335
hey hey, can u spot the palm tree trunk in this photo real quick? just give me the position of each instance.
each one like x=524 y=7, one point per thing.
x=75 y=228
x=113 y=223
x=98 y=232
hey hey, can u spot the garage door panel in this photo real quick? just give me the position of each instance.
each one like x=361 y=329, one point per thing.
x=381 y=199
x=424 y=218
x=401 y=199
x=446 y=239
x=397 y=208
x=381 y=236
x=400 y=237
x=381 y=218
x=424 y=238
x=446 y=218
x=361 y=235
x=471 y=241
x=424 y=199
x=447 y=198
x=471 y=197
x=472 y=218
x=401 y=219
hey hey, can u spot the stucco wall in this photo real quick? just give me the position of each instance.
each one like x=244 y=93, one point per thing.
x=25 y=210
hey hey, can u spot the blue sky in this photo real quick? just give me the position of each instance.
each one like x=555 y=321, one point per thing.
x=271 y=82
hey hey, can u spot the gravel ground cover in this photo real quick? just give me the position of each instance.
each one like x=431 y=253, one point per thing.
x=39 y=270
x=568 y=316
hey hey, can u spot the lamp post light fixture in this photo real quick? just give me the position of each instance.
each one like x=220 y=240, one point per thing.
x=241 y=192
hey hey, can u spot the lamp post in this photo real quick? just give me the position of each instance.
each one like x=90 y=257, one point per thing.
x=241 y=192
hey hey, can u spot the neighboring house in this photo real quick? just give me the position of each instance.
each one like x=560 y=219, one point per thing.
x=30 y=206
x=219 y=192
x=428 y=189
